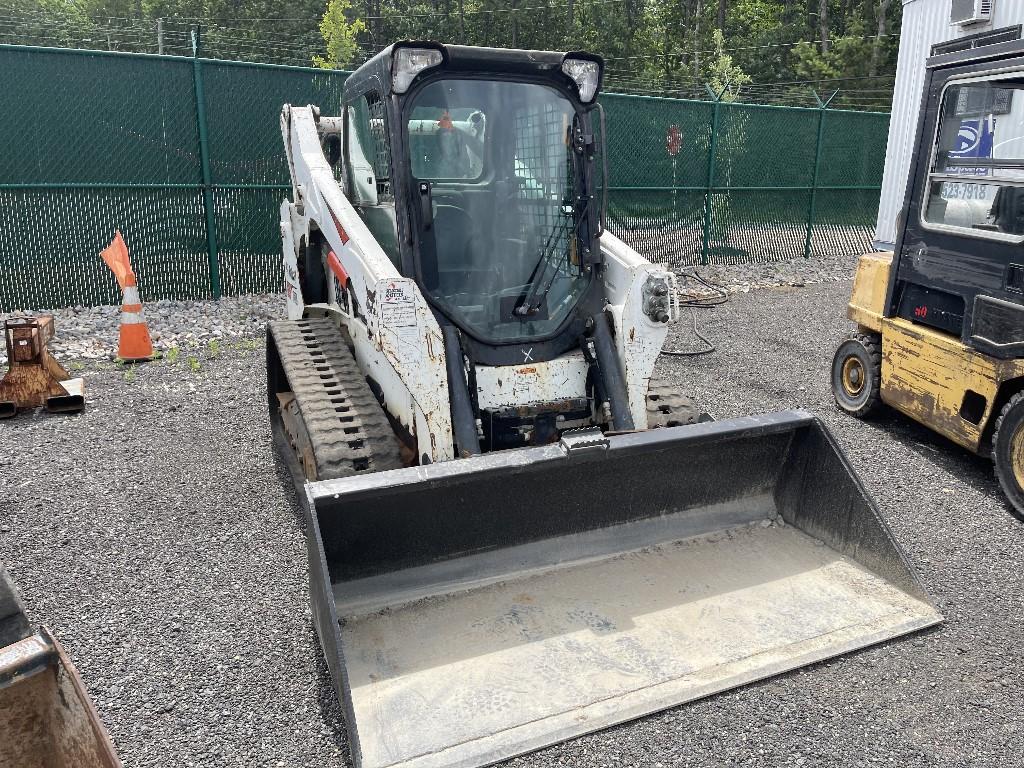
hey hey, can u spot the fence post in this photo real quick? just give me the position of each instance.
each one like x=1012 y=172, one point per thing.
x=712 y=150
x=812 y=203
x=204 y=161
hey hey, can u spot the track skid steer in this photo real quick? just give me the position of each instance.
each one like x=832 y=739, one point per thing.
x=516 y=533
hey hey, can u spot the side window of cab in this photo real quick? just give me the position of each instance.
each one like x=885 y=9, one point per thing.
x=976 y=174
x=369 y=170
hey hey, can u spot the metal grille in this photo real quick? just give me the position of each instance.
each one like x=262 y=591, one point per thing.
x=543 y=172
x=381 y=152
x=184 y=156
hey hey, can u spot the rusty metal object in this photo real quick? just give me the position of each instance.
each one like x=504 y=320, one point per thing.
x=35 y=379
x=46 y=716
x=298 y=436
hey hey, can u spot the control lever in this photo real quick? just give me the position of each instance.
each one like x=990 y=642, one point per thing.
x=426 y=206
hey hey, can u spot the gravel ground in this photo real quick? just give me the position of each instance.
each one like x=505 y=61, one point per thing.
x=90 y=333
x=154 y=536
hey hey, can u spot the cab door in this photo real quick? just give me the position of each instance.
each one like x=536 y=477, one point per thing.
x=961 y=264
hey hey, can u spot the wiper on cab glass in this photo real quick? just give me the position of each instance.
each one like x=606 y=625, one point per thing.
x=533 y=300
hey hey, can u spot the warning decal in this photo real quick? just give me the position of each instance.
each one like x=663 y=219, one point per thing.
x=398 y=307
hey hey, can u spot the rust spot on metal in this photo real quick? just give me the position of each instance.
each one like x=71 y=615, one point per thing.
x=531 y=410
x=295 y=429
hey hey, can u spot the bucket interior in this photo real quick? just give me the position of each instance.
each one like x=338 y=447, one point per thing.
x=487 y=607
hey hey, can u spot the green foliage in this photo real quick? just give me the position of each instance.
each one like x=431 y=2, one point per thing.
x=725 y=77
x=668 y=47
x=340 y=36
x=848 y=56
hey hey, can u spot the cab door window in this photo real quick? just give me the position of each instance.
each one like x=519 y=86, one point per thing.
x=976 y=176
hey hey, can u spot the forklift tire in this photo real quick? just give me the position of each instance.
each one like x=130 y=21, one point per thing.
x=1008 y=453
x=857 y=374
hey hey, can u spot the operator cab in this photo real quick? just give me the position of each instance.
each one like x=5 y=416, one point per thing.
x=960 y=265
x=474 y=168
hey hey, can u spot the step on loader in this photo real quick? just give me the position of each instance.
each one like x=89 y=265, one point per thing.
x=517 y=533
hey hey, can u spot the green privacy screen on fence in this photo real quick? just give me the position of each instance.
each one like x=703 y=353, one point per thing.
x=93 y=141
x=748 y=183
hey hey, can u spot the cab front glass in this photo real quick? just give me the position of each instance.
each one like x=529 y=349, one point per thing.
x=498 y=187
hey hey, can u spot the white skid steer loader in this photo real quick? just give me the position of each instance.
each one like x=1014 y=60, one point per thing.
x=504 y=551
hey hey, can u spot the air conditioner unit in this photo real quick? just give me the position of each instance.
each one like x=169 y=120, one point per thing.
x=964 y=12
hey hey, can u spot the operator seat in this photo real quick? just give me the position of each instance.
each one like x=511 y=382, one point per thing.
x=454 y=238
x=1008 y=210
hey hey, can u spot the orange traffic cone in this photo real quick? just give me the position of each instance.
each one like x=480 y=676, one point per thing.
x=134 y=343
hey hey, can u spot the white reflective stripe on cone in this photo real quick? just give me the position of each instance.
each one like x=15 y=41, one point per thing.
x=132 y=318
x=131 y=295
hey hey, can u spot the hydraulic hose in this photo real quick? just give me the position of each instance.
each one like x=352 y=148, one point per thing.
x=611 y=371
x=467 y=442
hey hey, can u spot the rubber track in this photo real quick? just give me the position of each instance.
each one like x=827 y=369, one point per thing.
x=667 y=408
x=347 y=427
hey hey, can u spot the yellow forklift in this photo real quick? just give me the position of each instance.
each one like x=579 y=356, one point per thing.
x=940 y=321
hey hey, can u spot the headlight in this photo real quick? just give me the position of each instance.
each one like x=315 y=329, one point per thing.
x=408 y=63
x=585 y=74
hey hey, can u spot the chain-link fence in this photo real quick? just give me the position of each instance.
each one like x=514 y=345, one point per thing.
x=699 y=182
x=184 y=156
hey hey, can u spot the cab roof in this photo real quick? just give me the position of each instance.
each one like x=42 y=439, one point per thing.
x=474 y=60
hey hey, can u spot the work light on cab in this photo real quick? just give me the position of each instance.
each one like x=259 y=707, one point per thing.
x=409 y=62
x=585 y=73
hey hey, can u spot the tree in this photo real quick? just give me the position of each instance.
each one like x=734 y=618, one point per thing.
x=340 y=36
x=880 y=34
x=849 y=55
x=655 y=47
x=722 y=74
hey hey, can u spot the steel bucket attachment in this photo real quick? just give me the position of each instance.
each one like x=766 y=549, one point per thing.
x=46 y=717
x=478 y=609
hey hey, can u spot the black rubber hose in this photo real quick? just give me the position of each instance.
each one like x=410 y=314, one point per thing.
x=467 y=442
x=611 y=372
